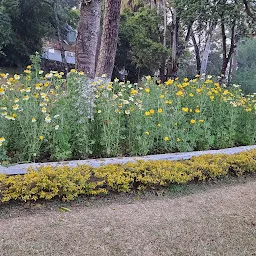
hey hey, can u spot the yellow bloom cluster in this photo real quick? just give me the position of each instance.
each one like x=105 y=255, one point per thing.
x=69 y=182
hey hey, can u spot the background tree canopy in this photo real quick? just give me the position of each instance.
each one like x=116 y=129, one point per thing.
x=161 y=37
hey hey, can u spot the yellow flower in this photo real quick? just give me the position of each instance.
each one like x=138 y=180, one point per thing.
x=2 y=139
x=38 y=86
x=199 y=90
x=159 y=125
x=44 y=110
x=212 y=97
x=15 y=107
x=185 y=79
x=109 y=87
x=33 y=120
x=147 y=90
x=169 y=82
x=14 y=115
x=184 y=109
x=99 y=111
x=178 y=139
x=27 y=71
x=152 y=111
x=46 y=84
x=147 y=113
x=147 y=133
x=73 y=71
x=192 y=121
x=160 y=110
x=200 y=121
x=169 y=102
x=162 y=96
x=180 y=93
x=41 y=137
x=197 y=110
x=148 y=78
x=133 y=92
x=28 y=67
x=191 y=95
x=197 y=76
x=191 y=110
x=2 y=91
x=166 y=138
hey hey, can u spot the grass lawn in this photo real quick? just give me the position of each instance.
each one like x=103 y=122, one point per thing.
x=198 y=219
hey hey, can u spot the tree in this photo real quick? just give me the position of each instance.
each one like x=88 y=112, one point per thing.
x=245 y=74
x=140 y=46
x=88 y=36
x=30 y=22
x=5 y=28
x=107 y=53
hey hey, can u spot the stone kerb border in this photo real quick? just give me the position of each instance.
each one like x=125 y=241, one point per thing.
x=22 y=168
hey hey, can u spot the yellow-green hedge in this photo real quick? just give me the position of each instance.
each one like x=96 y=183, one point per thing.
x=69 y=182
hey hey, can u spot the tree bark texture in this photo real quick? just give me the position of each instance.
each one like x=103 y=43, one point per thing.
x=88 y=36
x=197 y=53
x=109 y=39
x=226 y=55
x=207 y=50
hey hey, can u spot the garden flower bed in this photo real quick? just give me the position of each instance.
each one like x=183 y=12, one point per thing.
x=46 y=117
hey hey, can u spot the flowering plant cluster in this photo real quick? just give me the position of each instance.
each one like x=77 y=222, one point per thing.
x=49 y=117
x=67 y=183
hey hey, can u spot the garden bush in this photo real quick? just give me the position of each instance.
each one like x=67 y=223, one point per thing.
x=51 y=117
x=67 y=183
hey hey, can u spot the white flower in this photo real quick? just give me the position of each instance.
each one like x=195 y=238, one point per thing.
x=47 y=119
x=16 y=77
x=57 y=127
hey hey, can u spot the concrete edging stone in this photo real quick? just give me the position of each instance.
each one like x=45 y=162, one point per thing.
x=22 y=168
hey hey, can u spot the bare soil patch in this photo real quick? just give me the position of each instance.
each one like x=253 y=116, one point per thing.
x=206 y=219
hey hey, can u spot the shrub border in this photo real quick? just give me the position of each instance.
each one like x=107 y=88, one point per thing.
x=67 y=183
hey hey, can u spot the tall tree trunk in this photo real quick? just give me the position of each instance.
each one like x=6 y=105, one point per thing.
x=109 y=39
x=163 y=63
x=88 y=36
x=207 y=50
x=197 y=53
x=226 y=55
x=175 y=35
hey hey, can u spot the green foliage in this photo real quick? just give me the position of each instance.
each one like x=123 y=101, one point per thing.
x=30 y=22
x=47 y=117
x=246 y=73
x=23 y=25
x=5 y=28
x=67 y=183
x=140 y=48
